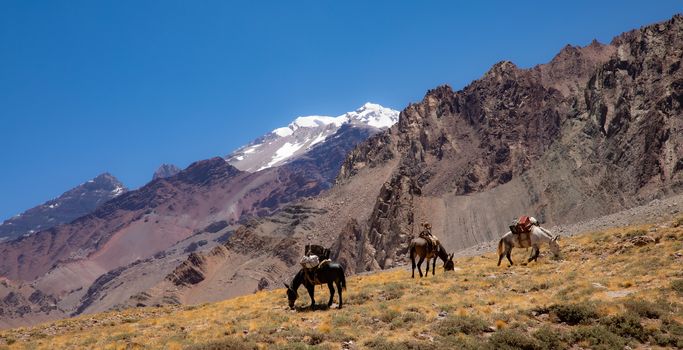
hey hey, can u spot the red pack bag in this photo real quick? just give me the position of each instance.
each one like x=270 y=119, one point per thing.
x=523 y=224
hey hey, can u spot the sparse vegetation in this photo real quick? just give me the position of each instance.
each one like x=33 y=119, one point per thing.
x=677 y=285
x=617 y=299
x=573 y=314
x=678 y=221
x=597 y=337
x=644 y=308
x=509 y=339
x=232 y=343
x=461 y=324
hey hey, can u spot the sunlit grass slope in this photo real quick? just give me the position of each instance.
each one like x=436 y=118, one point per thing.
x=609 y=289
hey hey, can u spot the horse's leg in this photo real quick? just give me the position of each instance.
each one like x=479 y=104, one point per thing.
x=339 y=291
x=508 y=250
x=311 y=290
x=427 y=272
x=412 y=259
x=433 y=265
x=331 y=286
x=419 y=265
x=533 y=253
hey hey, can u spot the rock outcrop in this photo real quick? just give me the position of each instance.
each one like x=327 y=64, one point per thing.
x=165 y=170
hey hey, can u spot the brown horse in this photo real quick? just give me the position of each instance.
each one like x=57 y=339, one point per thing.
x=419 y=246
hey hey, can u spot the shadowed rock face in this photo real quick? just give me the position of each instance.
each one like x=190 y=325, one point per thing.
x=78 y=201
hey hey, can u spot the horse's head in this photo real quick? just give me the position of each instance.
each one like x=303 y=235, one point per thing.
x=449 y=265
x=291 y=296
x=554 y=246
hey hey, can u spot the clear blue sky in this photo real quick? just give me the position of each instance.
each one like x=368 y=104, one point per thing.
x=123 y=86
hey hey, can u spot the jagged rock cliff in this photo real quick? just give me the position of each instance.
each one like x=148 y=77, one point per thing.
x=594 y=131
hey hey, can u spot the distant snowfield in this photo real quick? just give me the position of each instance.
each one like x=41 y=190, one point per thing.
x=284 y=152
x=287 y=143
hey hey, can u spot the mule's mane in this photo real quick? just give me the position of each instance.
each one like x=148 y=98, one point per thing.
x=298 y=280
x=441 y=252
x=545 y=232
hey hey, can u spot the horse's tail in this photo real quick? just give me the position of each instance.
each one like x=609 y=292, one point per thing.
x=411 y=249
x=500 y=247
x=343 y=281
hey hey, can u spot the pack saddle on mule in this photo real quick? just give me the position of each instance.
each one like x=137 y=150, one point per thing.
x=314 y=272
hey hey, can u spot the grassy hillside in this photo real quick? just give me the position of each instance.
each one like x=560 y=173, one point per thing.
x=608 y=290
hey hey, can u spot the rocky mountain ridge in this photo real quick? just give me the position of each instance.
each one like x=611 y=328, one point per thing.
x=72 y=204
x=594 y=131
x=165 y=170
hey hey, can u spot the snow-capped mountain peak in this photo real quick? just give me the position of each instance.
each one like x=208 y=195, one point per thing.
x=374 y=115
x=287 y=143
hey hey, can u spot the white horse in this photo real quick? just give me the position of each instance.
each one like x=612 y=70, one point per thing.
x=533 y=239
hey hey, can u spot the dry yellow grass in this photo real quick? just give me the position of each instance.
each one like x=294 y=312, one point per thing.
x=475 y=305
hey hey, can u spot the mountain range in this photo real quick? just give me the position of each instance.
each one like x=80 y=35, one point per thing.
x=593 y=131
x=174 y=206
x=71 y=205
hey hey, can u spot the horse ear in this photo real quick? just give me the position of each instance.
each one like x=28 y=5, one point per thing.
x=286 y=285
x=451 y=257
x=556 y=238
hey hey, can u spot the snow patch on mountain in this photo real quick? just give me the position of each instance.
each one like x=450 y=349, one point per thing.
x=282 y=132
x=284 y=152
x=287 y=143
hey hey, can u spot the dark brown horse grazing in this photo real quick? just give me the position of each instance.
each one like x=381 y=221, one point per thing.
x=329 y=273
x=420 y=246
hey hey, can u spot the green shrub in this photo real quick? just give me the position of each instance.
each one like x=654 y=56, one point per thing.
x=644 y=308
x=232 y=343
x=671 y=334
x=302 y=346
x=599 y=337
x=406 y=319
x=357 y=298
x=677 y=285
x=574 y=314
x=389 y=315
x=635 y=233
x=380 y=343
x=551 y=339
x=341 y=319
x=625 y=325
x=459 y=342
x=393 y=291
x=512 y=339
x=453 y=325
